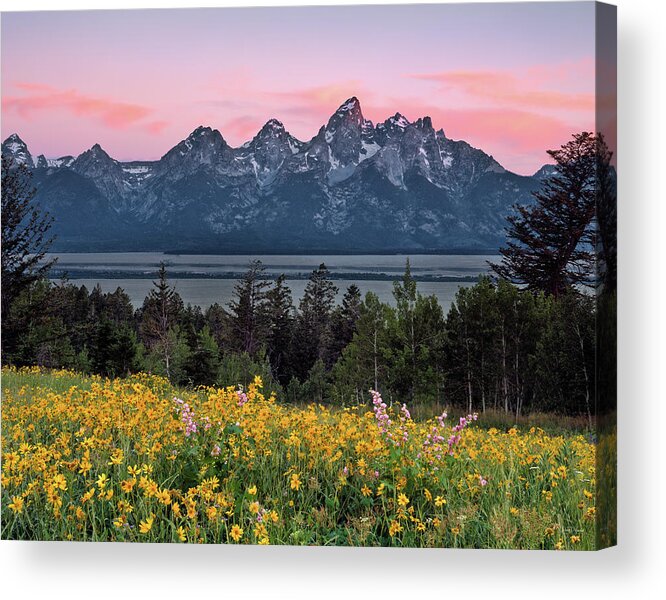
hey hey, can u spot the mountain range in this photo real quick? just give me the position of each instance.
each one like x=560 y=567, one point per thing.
x=354 y=187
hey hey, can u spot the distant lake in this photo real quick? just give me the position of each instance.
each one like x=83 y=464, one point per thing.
x=206 y=279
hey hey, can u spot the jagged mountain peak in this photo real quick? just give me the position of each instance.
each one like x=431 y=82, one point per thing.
x=350 y=105
x=95 y=162
x=423 y=123
x=13 y=138
x=273 y=125
x=15 y=148
x=97 y=149
x=348 y=113
x=203 y=134
x=397 y=120
x=272 y=129
x=203 y=146
x=203 y=131
x=94 y=154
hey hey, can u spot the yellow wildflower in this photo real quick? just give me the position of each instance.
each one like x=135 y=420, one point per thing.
x=147 y=525
x=120 y=521
x=295 y=481
x=164 y=497
x=236 y=533
x=127 y=485
x=116 y=457
x=17 y=504
x=395 y=528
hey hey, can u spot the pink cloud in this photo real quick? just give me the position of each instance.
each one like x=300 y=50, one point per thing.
x=241 y=128
x=507 y=89
x=155 y=127
x=111 y=113
x=521 y=130
x=564 y=73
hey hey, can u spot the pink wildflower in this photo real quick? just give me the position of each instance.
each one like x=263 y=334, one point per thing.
x=242 y=396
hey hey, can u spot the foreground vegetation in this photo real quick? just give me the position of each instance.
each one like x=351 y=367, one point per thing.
x=135 y=459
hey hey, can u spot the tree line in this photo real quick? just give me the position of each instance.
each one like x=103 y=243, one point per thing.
x=522 y=340
x=497 y=347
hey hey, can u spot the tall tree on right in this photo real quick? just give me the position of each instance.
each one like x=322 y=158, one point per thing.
x=551 y=243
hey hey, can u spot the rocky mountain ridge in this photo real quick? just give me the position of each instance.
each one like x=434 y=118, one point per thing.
x=355 y=186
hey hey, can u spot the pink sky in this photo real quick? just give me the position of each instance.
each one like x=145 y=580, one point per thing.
x=511 y=79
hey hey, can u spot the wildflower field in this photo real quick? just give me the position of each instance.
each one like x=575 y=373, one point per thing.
x=135 y=460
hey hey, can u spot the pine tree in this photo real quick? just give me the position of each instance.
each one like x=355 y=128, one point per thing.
x=316 y=385
x=116 y=349
x=248 y=317
x=343 y=321
x=314 y=321
x=97 y=303
x=363 y=364
x=564 y=357
x=280 y=310
x=217 y=319
x=41 y=335
x=551 y=243
x=170 y=356
x=204 y=361
x=404 y=336
x=118 y=307
x=159 y=318
x=606 y=218
x=25 y=241
x=472 y=346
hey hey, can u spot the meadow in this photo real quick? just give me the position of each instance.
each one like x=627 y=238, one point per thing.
x=136 y=460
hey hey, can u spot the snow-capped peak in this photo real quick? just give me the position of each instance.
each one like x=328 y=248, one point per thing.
x=350 y=105
x=272 y=128
x=16 y=148
x=98 y=152
x=398 y=120
x=200 y=132
x=14 y=139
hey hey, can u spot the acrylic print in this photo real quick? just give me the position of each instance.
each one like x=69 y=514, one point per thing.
x=310 y=276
